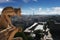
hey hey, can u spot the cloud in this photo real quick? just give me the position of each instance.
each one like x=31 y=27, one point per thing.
x=1 y=10
x=4 y=1
x=7 y=0
x=32 y=9
x=48 y=11
x=35 y=0
x=26 y=12
x=1 y=1
x=26 y=1
x=42 y=11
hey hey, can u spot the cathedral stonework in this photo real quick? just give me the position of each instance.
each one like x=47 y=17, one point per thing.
x=7 y=30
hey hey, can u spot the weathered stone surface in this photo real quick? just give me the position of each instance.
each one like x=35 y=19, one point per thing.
x=9 y=30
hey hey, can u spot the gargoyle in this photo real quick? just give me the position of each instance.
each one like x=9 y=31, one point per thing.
x=5 y=21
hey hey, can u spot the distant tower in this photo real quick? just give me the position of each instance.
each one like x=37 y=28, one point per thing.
x=33 y=9
x=33 y=12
